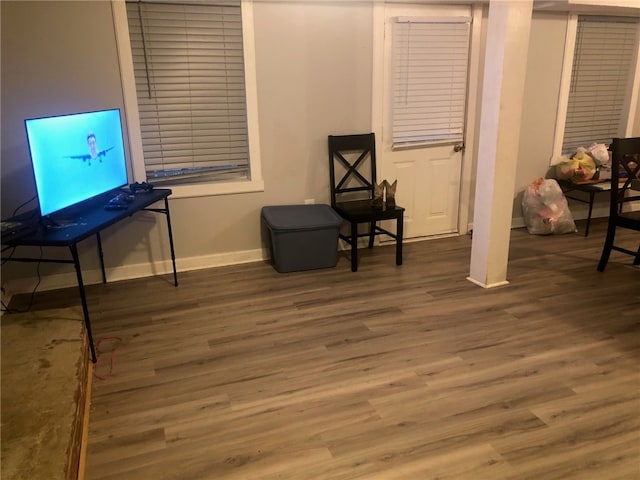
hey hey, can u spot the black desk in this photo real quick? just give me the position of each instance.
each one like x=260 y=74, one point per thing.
x=592 y=189
x=90 y=221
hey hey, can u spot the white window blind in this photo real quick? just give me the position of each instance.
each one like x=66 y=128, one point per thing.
x=600 y=81
x=429 y=84
x=189 y=70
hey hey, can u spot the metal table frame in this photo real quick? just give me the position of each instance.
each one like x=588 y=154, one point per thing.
x=94 y=219
x=591 y=189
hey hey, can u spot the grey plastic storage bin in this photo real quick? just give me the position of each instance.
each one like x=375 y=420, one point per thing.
x=302 y=237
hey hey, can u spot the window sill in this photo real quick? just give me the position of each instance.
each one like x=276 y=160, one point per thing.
x=211 y=189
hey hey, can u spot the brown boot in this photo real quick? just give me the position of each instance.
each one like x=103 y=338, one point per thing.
x=378 y=195
x=391 y=192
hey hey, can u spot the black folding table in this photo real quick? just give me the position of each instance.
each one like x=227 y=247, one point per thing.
x=91 y=220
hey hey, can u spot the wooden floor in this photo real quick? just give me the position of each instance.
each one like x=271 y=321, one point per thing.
x=408 y=372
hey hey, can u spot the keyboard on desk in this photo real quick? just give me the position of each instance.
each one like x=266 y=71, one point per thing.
x=120 y=202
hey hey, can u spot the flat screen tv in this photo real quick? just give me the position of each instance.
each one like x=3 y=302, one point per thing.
x=76 y=157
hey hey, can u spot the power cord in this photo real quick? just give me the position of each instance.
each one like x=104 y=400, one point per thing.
x=112 y=359
x=5 y=308
x=15 y=212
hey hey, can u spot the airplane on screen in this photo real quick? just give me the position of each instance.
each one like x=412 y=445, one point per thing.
x=88 y=157
x=93 y=151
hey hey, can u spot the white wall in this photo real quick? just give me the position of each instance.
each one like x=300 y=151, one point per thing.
x=314 y=79
x=542 y=87
x=57 y=57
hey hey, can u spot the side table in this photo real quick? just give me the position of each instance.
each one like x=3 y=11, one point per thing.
x=590 y=188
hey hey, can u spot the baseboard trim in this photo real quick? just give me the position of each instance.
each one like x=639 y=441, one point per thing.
x=127 y=272
x=488 y=285
x=141 y=270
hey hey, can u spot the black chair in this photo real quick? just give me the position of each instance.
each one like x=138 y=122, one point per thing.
x=352 y=165
x=625 y=176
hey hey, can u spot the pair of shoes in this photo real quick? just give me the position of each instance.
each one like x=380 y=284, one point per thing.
x=384 y=193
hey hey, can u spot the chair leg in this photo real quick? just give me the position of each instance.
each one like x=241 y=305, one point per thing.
x=372 y=233
x=354 y=247
x=637 y=259
x=399 y=233
x=608 y=244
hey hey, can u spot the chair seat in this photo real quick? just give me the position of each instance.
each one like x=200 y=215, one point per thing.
x=362 y=211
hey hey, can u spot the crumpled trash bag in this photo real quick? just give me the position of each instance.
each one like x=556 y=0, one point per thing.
x=545 y=209
x=579 y=168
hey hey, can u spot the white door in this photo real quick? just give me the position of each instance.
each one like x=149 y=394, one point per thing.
x=423 y=150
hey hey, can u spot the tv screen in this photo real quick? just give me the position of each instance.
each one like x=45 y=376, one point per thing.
x=76 y=157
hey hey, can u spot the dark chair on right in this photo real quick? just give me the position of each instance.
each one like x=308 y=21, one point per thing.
x=625 y=176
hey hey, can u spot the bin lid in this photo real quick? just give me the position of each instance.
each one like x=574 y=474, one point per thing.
x=301 y=217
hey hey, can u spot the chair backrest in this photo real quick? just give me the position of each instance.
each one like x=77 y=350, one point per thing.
x=625 y=169
x=352 y=167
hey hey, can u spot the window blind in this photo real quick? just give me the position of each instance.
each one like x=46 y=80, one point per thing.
x=189 y=70
x=600 y=81
x=429 y=79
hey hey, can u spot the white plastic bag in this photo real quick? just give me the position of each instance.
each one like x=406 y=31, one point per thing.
x=545 y=209
x=599 y=153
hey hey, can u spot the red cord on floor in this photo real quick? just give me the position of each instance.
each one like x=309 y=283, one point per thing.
x=112 y=355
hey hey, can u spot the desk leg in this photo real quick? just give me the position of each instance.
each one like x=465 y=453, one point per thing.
x=104 y=274
x=592 y=196
x=173 y=255
x=83 y=297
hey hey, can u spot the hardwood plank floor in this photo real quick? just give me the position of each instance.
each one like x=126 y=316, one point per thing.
x=388 y=373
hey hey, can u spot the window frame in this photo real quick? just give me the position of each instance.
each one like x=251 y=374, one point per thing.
x=255 y=183
x=565 y=86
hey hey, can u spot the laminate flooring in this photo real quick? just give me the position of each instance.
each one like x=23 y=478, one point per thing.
x=389 y=373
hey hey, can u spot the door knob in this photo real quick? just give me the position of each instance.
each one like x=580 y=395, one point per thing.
x=458 y=147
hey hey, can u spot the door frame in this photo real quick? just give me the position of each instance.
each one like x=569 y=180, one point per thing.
x=465 y=201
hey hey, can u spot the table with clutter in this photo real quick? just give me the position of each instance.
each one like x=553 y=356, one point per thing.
x=544 y=204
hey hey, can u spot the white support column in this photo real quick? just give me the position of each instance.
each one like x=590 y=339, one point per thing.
x=509 y=24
